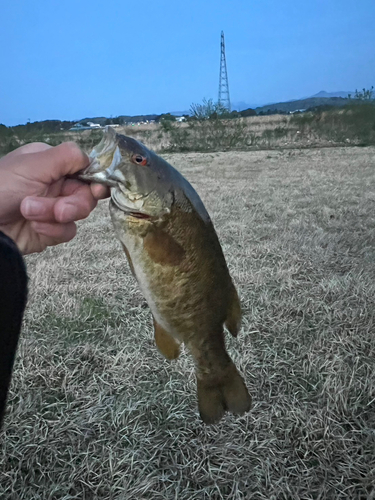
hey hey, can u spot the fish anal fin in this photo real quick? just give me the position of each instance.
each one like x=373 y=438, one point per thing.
x=167 y=345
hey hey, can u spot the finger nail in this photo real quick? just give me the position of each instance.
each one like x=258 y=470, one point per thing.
x=68 y=213
x=33 y=207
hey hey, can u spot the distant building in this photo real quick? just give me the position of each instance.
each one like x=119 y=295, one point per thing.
x=93 y=125
x=297 y=111
x=89 y=126
x=79 y=126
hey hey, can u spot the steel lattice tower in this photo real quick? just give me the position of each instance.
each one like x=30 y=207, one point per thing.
x=224 y=98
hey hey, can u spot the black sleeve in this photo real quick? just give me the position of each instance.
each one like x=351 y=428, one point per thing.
x=13 y=296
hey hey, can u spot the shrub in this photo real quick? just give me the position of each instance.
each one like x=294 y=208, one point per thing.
x=89 y=140
x=208 y=135
x=210 y=128
x=354 y=122
x=248 y=112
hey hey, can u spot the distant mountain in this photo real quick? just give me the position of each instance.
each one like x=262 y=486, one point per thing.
x=302 y=104
x=340 y=93
x=98 y=119
x=241 y=105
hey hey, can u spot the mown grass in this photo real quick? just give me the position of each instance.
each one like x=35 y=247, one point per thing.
x=96 y=412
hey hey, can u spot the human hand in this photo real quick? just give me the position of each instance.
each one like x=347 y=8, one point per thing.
x=38 y=204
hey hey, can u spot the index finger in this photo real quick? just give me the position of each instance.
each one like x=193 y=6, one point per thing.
x=32 y=147
x=54 y=163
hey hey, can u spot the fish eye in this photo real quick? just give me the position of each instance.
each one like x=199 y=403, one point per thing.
x=139 y=159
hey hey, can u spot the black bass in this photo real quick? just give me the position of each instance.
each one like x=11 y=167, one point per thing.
x=175 y=255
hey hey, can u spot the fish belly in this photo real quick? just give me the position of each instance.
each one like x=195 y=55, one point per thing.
x=134 y=246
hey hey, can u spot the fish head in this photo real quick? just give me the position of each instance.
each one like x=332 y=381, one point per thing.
x=140 y=181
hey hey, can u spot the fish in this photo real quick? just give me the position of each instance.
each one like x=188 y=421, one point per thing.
x=175 y=255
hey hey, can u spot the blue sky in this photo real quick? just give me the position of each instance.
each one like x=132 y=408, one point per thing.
x=76 y=59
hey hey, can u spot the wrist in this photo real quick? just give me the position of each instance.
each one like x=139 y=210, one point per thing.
x=13 y=231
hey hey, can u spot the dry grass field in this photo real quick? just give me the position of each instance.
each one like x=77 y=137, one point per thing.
x=95 y=412
x=348 y=126
x=254 y=132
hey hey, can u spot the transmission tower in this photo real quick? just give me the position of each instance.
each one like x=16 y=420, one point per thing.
x=224 y=98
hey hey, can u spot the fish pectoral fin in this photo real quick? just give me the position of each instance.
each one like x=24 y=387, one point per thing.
x=167 y=345
x=233 y=320
x=163 y=248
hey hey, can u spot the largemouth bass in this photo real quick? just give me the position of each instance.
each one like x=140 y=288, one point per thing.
x=175 y=255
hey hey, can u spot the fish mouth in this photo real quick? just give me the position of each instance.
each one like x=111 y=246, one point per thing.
x=104 y=158
x=102 y=169
x=125 y=208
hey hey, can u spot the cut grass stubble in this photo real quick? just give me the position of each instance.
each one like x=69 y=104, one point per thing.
x=96 y=412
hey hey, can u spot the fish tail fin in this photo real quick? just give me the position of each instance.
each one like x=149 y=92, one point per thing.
x=219 y=394
x=233 y=319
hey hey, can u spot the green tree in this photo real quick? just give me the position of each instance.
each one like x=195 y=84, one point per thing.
x=166 y=116
x=208 y=110
x=248 y=112
x=210 y=128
